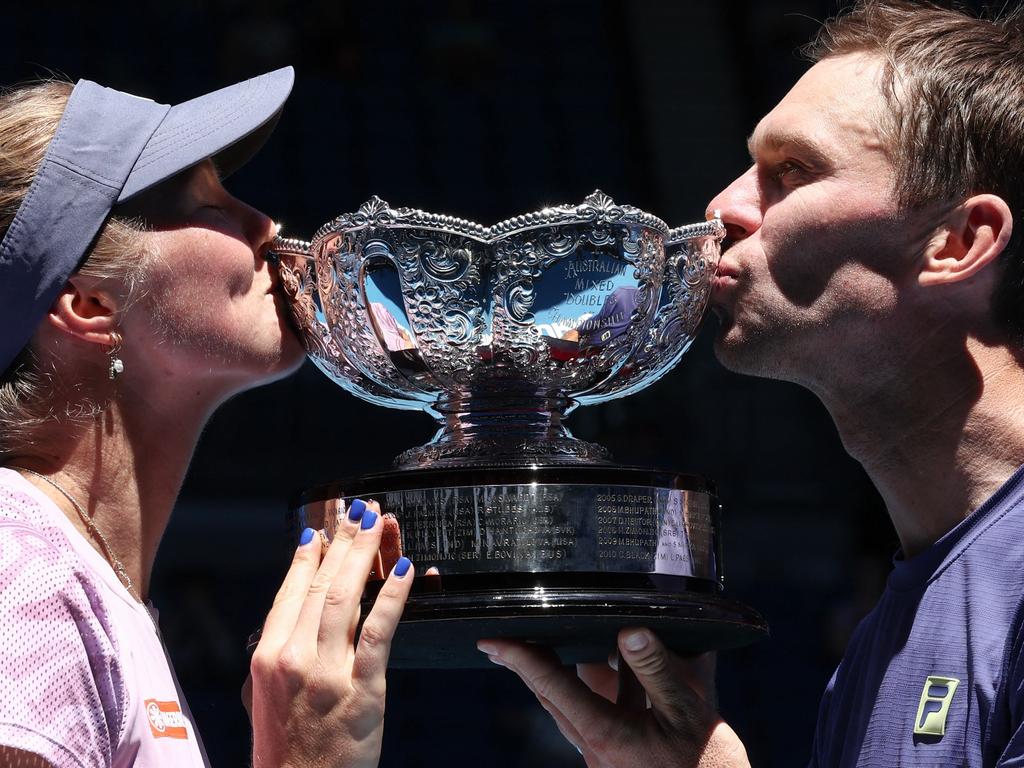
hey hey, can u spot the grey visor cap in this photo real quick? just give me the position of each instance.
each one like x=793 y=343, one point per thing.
x=225 y=124
x=110 y=146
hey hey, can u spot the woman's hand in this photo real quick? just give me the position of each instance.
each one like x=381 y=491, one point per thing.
x=317 y=694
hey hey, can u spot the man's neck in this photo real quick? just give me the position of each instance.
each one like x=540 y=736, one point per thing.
x=941 y=441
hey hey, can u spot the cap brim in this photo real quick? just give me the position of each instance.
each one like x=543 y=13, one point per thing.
x=229 y=124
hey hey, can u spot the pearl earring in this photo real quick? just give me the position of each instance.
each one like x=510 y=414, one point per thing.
x=116 y=363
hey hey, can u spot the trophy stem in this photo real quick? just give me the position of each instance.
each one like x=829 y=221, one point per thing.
x=506 y=429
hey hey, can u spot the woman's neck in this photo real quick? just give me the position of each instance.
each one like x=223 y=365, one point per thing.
x=124 y=469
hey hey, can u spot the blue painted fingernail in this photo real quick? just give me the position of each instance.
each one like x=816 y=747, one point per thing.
x=402 y=566
x=369 y=518
x=306 y=537
x=356 y=510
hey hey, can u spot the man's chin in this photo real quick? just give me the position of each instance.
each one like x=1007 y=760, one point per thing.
x=725 y=332
x=734 y=352
x=727 y=354
x=752 y=357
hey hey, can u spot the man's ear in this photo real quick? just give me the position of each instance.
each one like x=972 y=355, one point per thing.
x=974 y=235
x=86 y=311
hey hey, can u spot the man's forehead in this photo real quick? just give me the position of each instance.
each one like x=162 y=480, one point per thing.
x=768 y=137
x=837 y=104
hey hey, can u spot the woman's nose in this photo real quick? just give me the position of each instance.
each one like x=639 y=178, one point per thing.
x=740 y=206
x=258 y=228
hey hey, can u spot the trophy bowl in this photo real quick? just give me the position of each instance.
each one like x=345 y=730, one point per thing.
x=499 y=333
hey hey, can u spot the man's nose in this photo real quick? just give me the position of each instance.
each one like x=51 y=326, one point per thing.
x=740 y=206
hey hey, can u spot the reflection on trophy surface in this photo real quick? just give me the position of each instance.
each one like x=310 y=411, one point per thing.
x=500 y=332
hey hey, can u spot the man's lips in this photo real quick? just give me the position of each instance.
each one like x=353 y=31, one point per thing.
x=727 y=268
x=725 y=280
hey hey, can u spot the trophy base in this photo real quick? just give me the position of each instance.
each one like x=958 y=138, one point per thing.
x=579 y=618
x=559 y=555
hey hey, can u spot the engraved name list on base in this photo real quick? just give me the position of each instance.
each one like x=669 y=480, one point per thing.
x=490 y=528
x=476 y=529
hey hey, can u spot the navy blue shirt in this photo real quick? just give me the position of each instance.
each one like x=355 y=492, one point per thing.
x=934 y=675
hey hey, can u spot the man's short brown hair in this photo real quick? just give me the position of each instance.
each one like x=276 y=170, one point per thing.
x=954 y=83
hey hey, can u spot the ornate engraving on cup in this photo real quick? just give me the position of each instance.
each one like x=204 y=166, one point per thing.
x=691 y=259
x=499 y=332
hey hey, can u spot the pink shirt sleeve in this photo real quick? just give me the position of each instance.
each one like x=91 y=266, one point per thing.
x=61 y=690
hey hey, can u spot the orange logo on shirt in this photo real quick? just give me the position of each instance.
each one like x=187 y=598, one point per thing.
x=165 y=719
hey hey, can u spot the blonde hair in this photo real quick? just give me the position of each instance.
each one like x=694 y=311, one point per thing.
x=29 y=116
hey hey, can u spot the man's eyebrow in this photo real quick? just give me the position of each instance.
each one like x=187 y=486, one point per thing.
x=774 y=141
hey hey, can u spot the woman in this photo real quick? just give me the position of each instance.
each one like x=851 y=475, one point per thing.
x=135 y=298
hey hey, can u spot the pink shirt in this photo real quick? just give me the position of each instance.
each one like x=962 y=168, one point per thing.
x=84 y=678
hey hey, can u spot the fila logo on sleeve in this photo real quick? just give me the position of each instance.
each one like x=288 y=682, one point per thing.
x=935 y=700
x=166 y=720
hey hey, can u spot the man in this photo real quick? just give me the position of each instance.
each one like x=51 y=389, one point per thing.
x=872 y=258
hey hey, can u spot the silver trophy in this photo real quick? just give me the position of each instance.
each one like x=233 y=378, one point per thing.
x=499 y=333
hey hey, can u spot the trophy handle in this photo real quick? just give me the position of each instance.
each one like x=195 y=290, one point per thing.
x=286 y=246
x=713 y=227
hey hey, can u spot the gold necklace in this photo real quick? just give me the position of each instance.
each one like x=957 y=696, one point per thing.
x=117 y=565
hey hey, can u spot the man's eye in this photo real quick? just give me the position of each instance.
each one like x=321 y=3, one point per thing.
x=787 y=169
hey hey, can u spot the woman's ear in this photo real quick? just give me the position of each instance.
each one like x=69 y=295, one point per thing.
x=974 y=235
x=86 y=311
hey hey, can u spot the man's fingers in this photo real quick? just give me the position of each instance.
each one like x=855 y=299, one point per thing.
x=600 y=678
x=564 y=726
x=374 y=644
x=699 y=673
x=284 y=613
x=590 y=715
x=656 y=670
x=630 y=694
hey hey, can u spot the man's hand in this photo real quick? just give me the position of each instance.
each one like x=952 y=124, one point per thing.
x=680 y=727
